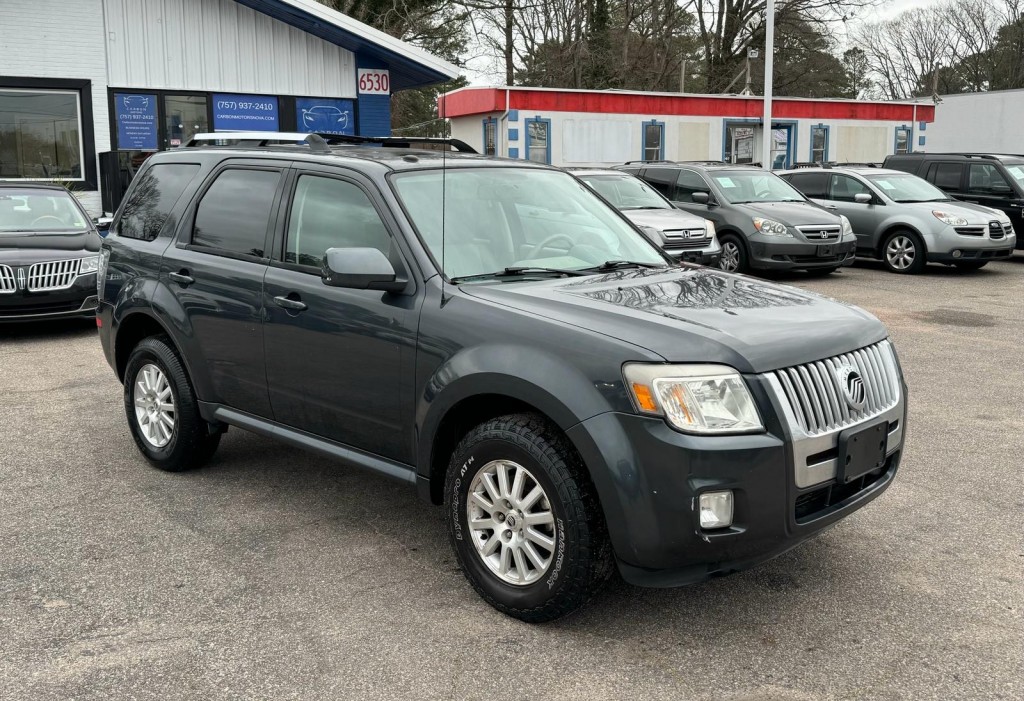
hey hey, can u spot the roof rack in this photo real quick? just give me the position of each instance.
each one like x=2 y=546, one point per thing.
x=396 y=141
x=317 y=142
x=633 y=163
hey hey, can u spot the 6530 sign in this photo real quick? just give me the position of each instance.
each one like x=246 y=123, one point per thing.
x=374 y=81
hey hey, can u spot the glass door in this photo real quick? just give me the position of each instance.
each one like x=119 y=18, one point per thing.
x=184 y=117
x=780 y=146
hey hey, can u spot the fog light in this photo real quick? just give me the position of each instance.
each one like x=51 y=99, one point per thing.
x=956 y=254
x=716 y=509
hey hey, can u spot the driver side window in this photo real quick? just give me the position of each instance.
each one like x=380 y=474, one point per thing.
x=843 y=188
x=329 y=213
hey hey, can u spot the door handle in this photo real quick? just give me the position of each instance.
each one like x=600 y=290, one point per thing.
x=182 y=278
x=292 y=302
x=830 y=206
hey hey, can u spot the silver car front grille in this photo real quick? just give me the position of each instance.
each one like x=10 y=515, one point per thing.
x=819 y=393
x=826 y=232
x=52 y=275
x=7 y=281
x=676 y=239
x=995 y=230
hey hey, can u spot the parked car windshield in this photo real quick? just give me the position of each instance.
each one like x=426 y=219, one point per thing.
x=496 y=218
x=755 y=186
x=1016 y=171
x=625 y=191
x=907 y=188
x=24 y=209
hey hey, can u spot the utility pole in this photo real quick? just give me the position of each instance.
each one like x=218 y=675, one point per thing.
x=682 y=76
x=769 y=60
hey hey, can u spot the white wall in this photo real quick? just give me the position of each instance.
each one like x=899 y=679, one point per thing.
x=218 y=45
x=59 y=39
x=985 y=122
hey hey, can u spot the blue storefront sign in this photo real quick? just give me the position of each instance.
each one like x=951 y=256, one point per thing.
x=136 y=122
x=325 y=115
x=244 y=113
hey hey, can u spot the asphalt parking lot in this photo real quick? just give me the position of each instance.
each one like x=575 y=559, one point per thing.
x=276 y=574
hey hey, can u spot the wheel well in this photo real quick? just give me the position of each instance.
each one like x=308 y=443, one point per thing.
x=132 y=330
x=880 y=248
x=462 y=417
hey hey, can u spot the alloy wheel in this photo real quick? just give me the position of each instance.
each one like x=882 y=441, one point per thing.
x=730 y=260
x=154 y=405
x=511 y=523
x=900 y=252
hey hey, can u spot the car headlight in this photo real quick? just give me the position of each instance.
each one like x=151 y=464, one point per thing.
x=705 y=399
x=771 y=227
x=847 y=226
x=709 y=229
x=89 y=265
x=951 y=219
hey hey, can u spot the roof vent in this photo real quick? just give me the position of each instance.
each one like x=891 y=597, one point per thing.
x=409 y=158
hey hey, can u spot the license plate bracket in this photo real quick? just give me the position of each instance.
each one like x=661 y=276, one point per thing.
x=826 y=250
x=861 y=450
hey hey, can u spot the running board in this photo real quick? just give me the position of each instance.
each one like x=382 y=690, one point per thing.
x=352 y=456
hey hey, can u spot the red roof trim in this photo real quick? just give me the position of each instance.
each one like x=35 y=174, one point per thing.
x=481 y=100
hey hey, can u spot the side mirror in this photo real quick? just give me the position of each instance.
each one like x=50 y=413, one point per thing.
x=863 y=198
x=701 y=198
x=360 y=269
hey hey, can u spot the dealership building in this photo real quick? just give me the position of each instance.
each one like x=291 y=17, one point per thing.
x=604 y=127
x=89 y=88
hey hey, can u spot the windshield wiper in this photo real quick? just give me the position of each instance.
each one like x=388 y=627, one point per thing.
x=516 y=270
x=646 y=206
x=620 y=264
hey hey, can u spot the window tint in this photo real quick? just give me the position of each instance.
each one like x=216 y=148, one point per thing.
x=843 y=188
x=811 y=184
x=153 y=195
x=328 y=213
x=661 y=179
x=235 y=212
x=985 y=179
x=946 y=176
x=688 y=183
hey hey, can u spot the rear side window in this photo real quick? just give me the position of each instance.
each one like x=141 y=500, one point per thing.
x=154 y=194
x=689 y=183
x=661 y=179
x=234 y=214
x=813 y=185
x=945 y=176
x=328 y=213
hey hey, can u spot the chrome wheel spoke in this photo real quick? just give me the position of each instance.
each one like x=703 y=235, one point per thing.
x=540 y=539
x=153 y=402
x=540 y=518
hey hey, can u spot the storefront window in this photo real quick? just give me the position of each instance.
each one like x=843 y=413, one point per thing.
x=40 y=135
x=186 y=117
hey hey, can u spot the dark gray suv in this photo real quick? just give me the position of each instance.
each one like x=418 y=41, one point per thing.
x=524 y=356
x=761 y=220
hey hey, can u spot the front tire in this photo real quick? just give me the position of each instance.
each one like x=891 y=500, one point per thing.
x=734 y=255
x=903 y=252
x=162 y=410
x=524 y=519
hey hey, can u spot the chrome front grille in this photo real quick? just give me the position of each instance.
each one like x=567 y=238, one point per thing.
x=970 y=230
x=676 y=239
x=825 y=232
x=52 y=275
x=995 y=230
x=7 y=282
x=817 y=399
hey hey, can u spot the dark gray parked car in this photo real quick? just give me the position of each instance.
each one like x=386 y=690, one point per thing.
x=905 y=220
x=574 y=398
x=762 y=222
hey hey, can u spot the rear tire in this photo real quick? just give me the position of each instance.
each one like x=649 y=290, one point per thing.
x=971 y=264
x=734 y=255
x=904 y=252
x=533 y=560
x=162 y=410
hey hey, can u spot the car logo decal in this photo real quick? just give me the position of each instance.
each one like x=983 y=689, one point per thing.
x=853 y=387
x=22 y=279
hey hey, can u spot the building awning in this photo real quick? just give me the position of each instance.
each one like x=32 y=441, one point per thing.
x=410 y=67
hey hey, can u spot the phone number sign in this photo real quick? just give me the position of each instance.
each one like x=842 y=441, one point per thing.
x=245 y=113
x=374 y=81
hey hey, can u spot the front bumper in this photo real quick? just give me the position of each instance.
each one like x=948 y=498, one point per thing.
x=963 y=254
x=700 y=257
x=648 y=477
x=779 y=253
x=77 y=301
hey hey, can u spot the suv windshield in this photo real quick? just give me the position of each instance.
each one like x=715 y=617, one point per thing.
x=39 y=210
x=625 y=191
x=1016 y=171
x=497 y=218
x=907 y=188
x=755 y=186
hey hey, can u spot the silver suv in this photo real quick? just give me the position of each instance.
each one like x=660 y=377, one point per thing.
x=682 y=235
x=905 y=220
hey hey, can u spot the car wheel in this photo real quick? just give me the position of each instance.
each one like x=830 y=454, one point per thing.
x=162 y=410
x=971 y=264
x=524 y=519
x=903 y=252
x=734 y=255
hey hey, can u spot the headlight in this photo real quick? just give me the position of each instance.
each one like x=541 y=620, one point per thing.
x=89 y=265
x=693 y=398
x=709 y=229
x=771 y=227
x=847 y=227
x=951 y=219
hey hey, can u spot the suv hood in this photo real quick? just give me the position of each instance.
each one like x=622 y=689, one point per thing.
x=694 y=314
x=792 y=213
x=664 y=219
